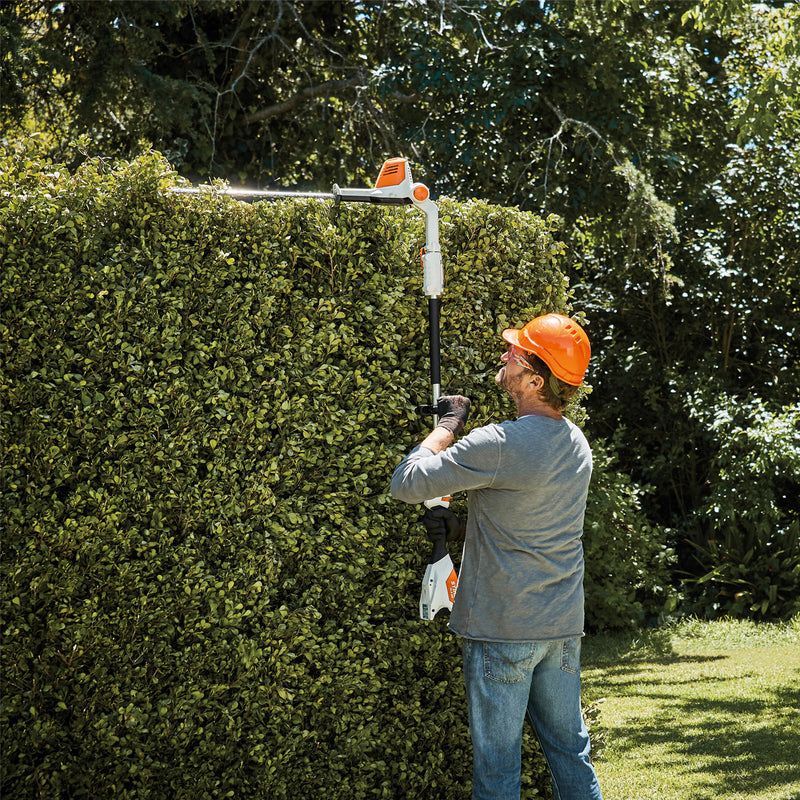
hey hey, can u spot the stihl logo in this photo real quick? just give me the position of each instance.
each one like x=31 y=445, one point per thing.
x=452 y=585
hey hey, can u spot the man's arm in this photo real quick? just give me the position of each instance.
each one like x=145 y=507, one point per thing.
x=469 y=463
x=437 y=440
x=432 y=469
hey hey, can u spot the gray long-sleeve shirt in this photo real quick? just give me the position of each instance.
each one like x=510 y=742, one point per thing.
x=521 y=575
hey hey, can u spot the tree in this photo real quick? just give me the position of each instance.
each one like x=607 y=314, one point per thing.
x=521 y=103
x=701 y=336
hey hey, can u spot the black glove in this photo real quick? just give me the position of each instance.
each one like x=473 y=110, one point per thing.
x=453 y=412
x=441 y=521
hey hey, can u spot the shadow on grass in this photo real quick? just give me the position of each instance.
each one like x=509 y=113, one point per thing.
x=602 y=650
x=740 y=746
x=635 y=665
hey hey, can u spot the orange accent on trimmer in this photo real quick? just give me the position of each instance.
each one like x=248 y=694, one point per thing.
x=452 y=585
x=392 y=173
x=421 y=193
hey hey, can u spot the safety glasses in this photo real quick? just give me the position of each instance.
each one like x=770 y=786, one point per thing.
x=518 y=357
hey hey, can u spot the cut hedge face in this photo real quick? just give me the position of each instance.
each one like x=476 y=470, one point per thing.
x=207 y=591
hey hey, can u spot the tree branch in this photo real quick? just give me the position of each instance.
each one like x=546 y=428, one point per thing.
x=328 y=87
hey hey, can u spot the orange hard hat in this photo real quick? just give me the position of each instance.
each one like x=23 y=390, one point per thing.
x=559 y=341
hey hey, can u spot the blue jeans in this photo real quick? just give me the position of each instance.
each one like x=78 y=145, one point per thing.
x=509 y=681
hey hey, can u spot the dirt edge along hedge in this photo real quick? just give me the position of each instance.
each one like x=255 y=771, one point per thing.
x=206 y=589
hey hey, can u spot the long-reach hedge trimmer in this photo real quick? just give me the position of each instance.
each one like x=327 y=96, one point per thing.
x=395 y=187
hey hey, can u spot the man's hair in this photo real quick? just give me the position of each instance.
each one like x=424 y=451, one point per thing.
x=555 y=392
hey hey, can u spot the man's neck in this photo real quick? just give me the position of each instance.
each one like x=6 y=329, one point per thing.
x=531 y=404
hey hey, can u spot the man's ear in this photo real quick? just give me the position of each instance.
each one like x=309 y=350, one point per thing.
x=537 y=381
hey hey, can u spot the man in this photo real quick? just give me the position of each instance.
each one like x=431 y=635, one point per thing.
x=519 y=605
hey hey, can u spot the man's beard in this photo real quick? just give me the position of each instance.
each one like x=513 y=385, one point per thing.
x=513 y=386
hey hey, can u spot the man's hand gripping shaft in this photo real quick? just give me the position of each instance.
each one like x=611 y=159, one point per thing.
x=453 y=412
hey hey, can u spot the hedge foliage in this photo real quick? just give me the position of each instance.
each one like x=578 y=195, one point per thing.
x=207 y=591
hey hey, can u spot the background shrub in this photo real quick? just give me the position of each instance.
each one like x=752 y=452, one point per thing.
x=745 y=535
x=207 y=591
x=628 y=579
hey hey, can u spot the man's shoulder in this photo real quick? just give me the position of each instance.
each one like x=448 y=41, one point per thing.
x=491 y=432
x=525 y=429
x=545 y=432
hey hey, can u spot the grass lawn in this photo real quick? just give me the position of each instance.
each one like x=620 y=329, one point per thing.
x=696 y=711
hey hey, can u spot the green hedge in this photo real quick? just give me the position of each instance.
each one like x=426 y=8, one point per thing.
x=207 y=591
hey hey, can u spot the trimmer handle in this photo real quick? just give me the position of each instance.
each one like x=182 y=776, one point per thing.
x=439 y=540
x=441 y=581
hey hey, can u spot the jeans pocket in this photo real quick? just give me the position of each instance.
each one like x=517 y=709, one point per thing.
x=508 y=662
x=571 y=656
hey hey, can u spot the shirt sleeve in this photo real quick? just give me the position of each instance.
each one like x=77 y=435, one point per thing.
x=470 y=463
